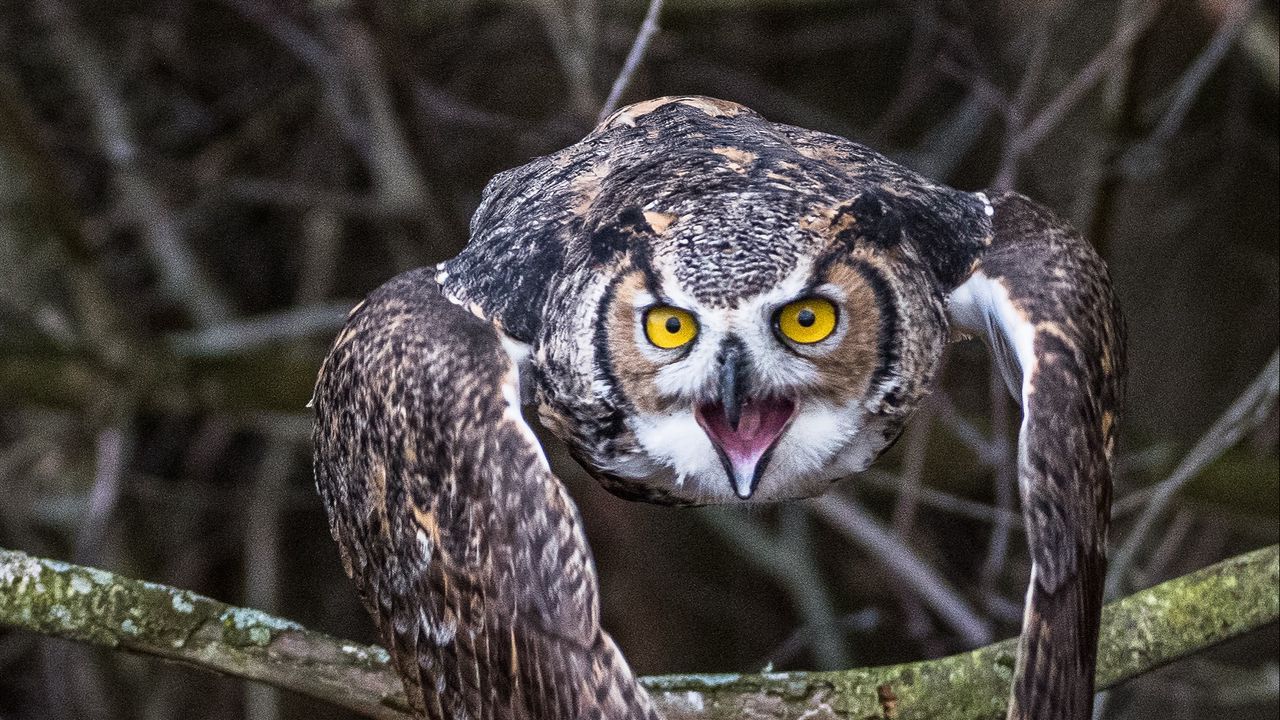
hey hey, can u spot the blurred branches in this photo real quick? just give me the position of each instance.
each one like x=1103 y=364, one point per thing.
x=1255 y=404
x=140 y=201
x=193 y=194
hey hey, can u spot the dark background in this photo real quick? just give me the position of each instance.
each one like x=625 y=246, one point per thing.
x=192 y=193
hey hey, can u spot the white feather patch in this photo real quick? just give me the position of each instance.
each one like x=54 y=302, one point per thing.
x=518 y=352
x=982 y=304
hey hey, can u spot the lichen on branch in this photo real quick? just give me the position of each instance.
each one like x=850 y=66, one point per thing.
x=102 y=608
x=1139 y=633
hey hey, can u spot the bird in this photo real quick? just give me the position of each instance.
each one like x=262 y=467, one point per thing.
x=706 y=307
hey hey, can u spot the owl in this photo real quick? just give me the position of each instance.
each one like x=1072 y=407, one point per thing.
x=707 y=307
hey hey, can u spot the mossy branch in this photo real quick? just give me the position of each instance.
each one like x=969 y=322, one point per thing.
x=102 y=608
x=1141 y=632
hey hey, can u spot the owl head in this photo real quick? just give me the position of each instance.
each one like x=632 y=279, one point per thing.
x=719 y=308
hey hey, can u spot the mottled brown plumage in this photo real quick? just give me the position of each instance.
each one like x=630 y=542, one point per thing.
x=1071 y=395
x=465 y=549
x=463 y=545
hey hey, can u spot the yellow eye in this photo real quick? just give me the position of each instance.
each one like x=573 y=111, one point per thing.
x=669 y=327
x=808 y=320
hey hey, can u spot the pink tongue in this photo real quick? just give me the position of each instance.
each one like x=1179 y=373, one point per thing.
x=759 y=425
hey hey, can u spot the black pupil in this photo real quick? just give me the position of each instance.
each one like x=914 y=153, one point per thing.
x=673 y=325
x=806 y=318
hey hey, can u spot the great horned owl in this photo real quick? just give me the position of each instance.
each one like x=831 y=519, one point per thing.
x=707 y=307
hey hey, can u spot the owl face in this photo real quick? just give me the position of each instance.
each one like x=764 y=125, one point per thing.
x=741 y=345
x=760 y=395
x=719 y=308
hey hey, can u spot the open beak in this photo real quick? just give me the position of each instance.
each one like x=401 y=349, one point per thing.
x=743 y=428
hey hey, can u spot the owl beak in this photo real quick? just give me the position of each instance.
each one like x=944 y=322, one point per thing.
x=732 y=376
x=743 y=429
x=745 y=450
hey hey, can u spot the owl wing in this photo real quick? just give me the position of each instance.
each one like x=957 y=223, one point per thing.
x=1043 y=299
x=464 y=547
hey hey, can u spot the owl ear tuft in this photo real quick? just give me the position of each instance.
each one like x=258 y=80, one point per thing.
x=867 y=217
x=616 y=236
x=878 y=223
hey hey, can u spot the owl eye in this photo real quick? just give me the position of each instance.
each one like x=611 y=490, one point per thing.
x=669 y=327
x=808 y=320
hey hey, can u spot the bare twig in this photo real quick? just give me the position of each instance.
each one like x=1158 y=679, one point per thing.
x=912 y=475
x=916 y=81
x=302 y=195
x=1251 y=408
x=573 y=42
x=802 y=637
x=262 y=553
x=1261 y=44
x=322 y=248
x=1195 y=76
x=991 y=452
x=396 y=178
x=261 y=331
x=1120 y=45
x=648 y=28
x=1096 y=191
x=87 y=695
x=1006 y=483
x=1173 y=545
x=943 y=501
x=865 y=531
x=323 y=65
x=942 y=149
x=112 y=454
x=788 y=557
x=1006 y=176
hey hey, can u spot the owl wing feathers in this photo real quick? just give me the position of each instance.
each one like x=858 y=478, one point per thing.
x=464 y=547
x=1043 y=298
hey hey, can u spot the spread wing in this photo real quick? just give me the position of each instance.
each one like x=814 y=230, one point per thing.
x=463 y=545
x=1043 y=299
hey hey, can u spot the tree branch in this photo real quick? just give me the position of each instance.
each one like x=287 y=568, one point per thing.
x=102 y=608
x=1141 y=632
x=648 y=28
